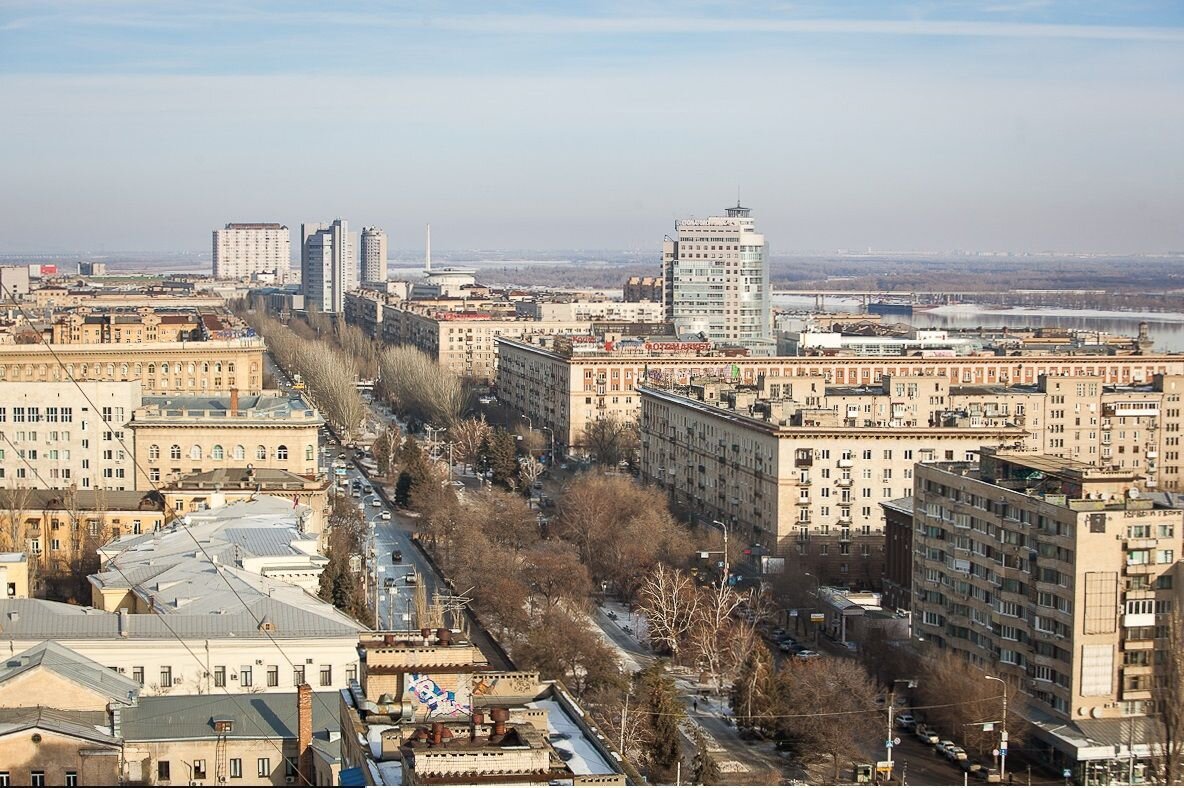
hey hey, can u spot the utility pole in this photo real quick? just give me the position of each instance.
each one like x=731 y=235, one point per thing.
x=1002 y=733
x=723 y=527
x=624 y=716
x=888 y=741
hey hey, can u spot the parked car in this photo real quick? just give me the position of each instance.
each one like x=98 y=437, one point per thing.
x=385 y=515
x=807 y=654
x=389 y=582
x=957 y=754
x=906 y=721
x=375 y=501
x=787 y=646
x=971 y=767
x=411 y=579
x=778 y=632
x=988 y=774
x=944 y=747
x=927 y=735
x=397 y=556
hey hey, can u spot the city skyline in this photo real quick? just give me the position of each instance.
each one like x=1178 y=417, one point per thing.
x=1027 y=126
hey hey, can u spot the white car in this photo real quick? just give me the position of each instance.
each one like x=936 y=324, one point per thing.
x=375 y=501
x=384 y=516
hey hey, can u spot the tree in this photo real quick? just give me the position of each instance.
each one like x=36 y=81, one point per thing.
x=529 y=470
x=704 y=769
x=962 y=698
x=384 y=449
x=670 y=602
x=1168 y=697
x=467 y=438
x=560 y=645
x=752 y=689
x=663 y=713
x=421 y=389
x=345 y=540
x=714 y=630
x=15 y=502
x=499 y=457
x=555 y=576
x=612 y=439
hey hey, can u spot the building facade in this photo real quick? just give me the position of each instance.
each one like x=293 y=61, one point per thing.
x=373 y=255
x=328 y=268
x=58 y=434
x=716 y=281
x=242 y=250
x=1059 y=575
x=129 y=325
x=160 y=367
x=643 y=288
x=179 y=436
x=779 y=475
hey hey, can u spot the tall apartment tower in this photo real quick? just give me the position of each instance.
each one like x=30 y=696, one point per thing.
x=242 y=250
x=716 y=280
x=373 y=250
x=327 y=265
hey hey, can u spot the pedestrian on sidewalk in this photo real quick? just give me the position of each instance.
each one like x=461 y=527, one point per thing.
x=696 y=705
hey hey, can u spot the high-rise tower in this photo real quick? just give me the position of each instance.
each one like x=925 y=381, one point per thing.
x=716 y=281
x=241 y=250
x=327 y=265
x=373 y=255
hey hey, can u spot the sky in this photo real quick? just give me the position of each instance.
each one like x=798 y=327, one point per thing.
x=986 y=125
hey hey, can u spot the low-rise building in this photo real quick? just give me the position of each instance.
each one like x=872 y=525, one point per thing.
x=1060 y=576
x=920 y=342
x=428 y=710
x=14 y=575
x=592 y=311
x=179 y=436
x=221 y=486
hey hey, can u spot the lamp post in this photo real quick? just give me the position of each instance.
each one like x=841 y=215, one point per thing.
x=548 y=429
x=888 y=742
x=1002 y=732
x=723 y=527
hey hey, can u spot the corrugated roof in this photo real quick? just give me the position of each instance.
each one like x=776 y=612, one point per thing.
x=90 y=725
x=73 y=667
x=185 y=717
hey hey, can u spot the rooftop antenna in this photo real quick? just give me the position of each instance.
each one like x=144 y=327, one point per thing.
x=427 y=257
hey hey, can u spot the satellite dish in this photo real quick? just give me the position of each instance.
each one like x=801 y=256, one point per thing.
x=1132 y=493
x=1096 y=712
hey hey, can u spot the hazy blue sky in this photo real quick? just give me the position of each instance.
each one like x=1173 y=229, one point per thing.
x=999 y=124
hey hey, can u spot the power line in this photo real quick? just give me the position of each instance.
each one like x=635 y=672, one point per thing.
x=116 y=433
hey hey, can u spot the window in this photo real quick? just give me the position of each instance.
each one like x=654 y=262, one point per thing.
x=162 y=770
x=5 y=779
x=166 y=676
x=298 y=675
x=281 y=452
x=199 y=769
x=138 y=675
x=154 y=452
x=273 y=675
x=261 y=452
x=263 y=767
x=240 y=452
x=326 y=675
x=236 y=767
x=71 y=779
x=175 y=452
x=36 y=778
x=220 y=676
x=244 y=675
x=217 y=453
x=195 y=452
x=309 y=453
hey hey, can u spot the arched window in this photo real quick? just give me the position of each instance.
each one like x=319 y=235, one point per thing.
x=230 y=367
x=174 y=452
x=139 y=370
x=110 y=370
x=218 y=366
x=281 y=452
x=190 y=367
x=309 y=453
x=164 y=368
x=240 y=452
x=154 y=452
x=205 y=367
x=261 y=452
x=195 y=452
x=216 y=453
x=151 y=369
x=123 y=370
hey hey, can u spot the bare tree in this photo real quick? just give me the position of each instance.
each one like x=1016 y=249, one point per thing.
x=529 y=470
x=714 y=629
x=15 y=502
x=422 y=389
x=468 y=435
x=611 y=440
x=1168 y=700
x=670 y=602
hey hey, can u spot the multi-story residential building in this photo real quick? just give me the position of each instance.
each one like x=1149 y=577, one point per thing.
x=464 y=341
x=783 y=470
x=898 y=553
x=91 y=269
x=565 y=390
x=129 y=325
x=599 y=311
x=58 y=434
x=14 y=282
x=716 y=281
x=373 y=255
x=1059 y=575
x=643 y=288
x=242 y=250
x=328 y=268
x=161 y=367
x=183 y=435
x=364 y=309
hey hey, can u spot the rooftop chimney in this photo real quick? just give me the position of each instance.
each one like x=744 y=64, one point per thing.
x=124 y=622
x=234 y=401
x=304 y=734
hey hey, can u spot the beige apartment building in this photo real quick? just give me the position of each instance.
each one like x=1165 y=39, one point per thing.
x=797 y=478
x=1059 y=575
x=160 y=367
x=130 y=325
x=58 y=434
x=183 y=435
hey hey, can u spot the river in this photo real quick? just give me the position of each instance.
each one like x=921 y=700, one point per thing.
x=1166 y=328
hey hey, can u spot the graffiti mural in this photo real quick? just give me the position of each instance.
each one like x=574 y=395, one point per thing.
x=426 y=695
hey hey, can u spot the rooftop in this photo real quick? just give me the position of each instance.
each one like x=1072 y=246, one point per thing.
x=73 y=667
x=268 y=407
x=90 y=725
x=191 y=717
x=267 y=479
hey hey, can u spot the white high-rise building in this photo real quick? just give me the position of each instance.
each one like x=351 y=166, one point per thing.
x=327 y=265
x=716 y=281
x=242 y=250
x=373 y=250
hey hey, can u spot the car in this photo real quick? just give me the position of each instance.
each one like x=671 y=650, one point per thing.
x=357 y=493
x=778 y=632
x=385 y=515
x=487 y=400
x=807 y=654
x=411 y=579
x=906 y=721
x=944 y=747
x=788 y=647
x=397 y=556
x=927 y=735
x=988 y=774
x=389 y=582
x=957 y=754
x=971 y=767
x=375 y=501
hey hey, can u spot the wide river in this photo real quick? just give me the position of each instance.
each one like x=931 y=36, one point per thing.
x=1167 y=328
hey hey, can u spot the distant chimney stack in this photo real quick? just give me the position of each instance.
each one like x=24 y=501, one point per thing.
x=124 y=623
x=304 y=734
x=234 y=401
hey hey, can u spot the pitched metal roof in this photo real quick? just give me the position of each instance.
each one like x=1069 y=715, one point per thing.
x=73 y=667
x=90 y=725
x=271 y=715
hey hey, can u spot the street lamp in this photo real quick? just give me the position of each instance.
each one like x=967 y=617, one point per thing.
x=548 y=429
x=1002 y=732
x=889 y=742
x=723 y=527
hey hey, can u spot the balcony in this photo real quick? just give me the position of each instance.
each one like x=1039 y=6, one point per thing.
x=846 y=463
x=804 y=501
x=845 y=520
x=1139 y=694
x=1138 y=620
x=1137 y=670
x=843 y=482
